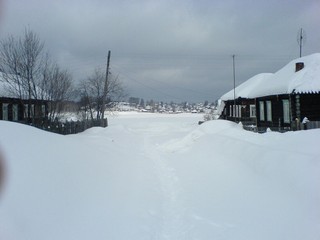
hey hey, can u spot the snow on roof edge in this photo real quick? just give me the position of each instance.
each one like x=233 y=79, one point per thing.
x=284 y=81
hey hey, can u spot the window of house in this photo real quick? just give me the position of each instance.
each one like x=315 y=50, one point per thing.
x=252 y=111
x=230 y=110
x=261 y=105
x=5 y=111
x=25 y=111
x=43 y=110
x=269 y=111
x=32 y=110
x=286 y=111
x=15 y=112
x=239 y=110
x=233 y=111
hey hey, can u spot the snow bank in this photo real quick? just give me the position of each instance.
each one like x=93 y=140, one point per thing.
x=242 y=185
x=154 y=176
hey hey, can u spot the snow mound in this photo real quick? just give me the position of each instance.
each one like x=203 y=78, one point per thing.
x=205 y=129
x=160 y=177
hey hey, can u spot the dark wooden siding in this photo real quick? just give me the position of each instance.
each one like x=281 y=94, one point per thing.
x=39 y=115
x=301 y=105
x=310 y=106
x=245 y=111
x=277 y=121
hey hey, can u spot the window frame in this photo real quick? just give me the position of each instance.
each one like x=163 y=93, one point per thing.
x=253 y=111
x=269 y=110
x=286 y=110
x=5 y=111
x=261 y=111
x=43 y=110
x=15 y=112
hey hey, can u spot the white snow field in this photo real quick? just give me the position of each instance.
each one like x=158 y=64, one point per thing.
x=158 y=176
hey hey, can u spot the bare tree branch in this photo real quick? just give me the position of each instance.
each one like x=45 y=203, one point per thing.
x=30 y=73
x=92 y=92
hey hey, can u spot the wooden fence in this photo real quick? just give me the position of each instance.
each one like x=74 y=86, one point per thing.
x=311 y=125
x=71 y=127
x=294 y=127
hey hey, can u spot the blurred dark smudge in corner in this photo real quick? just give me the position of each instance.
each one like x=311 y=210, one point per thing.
x=2 y=173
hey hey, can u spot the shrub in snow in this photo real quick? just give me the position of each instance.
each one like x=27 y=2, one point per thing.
x=207 y=117
x=211 y=116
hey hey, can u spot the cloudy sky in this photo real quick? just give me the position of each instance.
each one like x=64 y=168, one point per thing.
x=165 y=50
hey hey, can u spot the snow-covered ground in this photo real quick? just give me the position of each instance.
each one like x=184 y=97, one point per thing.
x=157 y=176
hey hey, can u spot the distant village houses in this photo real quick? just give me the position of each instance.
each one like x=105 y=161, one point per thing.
x=286 y=100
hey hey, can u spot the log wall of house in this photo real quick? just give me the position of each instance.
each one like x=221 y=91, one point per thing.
x=40 y=112
x=276 y=122
x=301 y=105
x=310 y=106
x=244 y=105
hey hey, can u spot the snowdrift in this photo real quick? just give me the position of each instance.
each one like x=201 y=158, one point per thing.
x=150 y=176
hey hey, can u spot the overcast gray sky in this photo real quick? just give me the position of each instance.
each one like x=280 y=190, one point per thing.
x=165 y=50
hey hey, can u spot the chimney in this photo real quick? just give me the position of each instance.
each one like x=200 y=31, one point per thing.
x=299 y=66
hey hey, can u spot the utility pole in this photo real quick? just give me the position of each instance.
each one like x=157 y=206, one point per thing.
x=234 y=86
x=105 y=90
x=300 y=41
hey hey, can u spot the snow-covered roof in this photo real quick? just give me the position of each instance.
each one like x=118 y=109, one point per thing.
x=284 y=81
x=248 y=88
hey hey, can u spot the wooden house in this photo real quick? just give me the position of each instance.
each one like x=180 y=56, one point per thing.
x=240 y=105
x=286 y=100
x=17 y=109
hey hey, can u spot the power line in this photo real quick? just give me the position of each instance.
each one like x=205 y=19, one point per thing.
x=164 y=83
x=151 y=88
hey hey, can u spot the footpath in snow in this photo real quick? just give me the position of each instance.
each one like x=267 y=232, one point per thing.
x=158 y=176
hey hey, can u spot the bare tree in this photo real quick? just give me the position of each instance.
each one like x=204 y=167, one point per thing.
x=92 y=92
x=30 y=73
x=86 y=101
x=31 y=49
x=10 y=67
x=56 y=86
x=115 y=90
x=21 y=61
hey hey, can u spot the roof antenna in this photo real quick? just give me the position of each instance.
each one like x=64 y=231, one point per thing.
x=301 y=38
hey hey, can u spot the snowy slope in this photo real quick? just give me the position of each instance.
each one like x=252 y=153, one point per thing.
x=156 y=176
